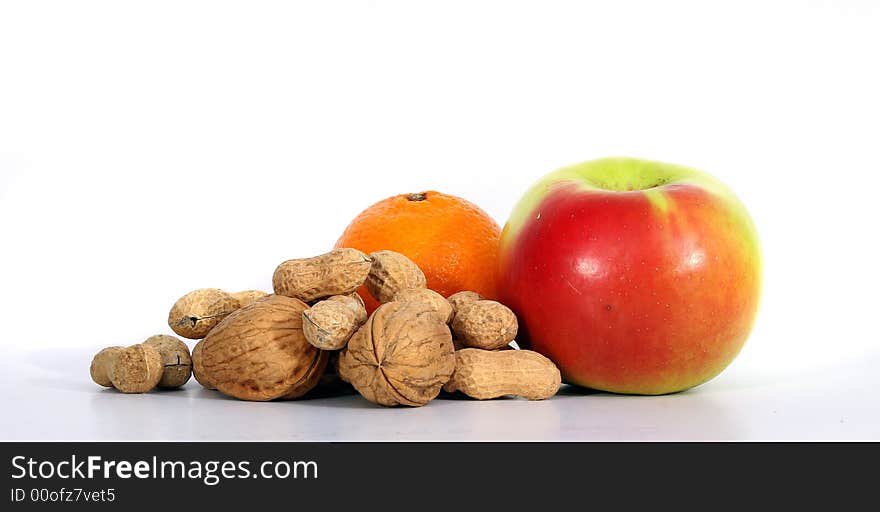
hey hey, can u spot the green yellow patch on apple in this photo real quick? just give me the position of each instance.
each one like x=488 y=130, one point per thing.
x=633 y=276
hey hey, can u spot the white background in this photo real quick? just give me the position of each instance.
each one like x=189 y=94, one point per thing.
x=150 y=148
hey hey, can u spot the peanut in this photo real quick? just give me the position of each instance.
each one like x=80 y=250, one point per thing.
x=459 y=299
x=485 y=324
x=484 y=374
x=390 y=273
x=432 y=298
x=197 y=312
x=458 y=344
x=138 y=369
x=248 y=296
x=102 y=365
x=176 y=360
x=329 y=324
x=338 y=272
x=354 y=302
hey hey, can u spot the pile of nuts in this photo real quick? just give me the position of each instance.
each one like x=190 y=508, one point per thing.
x=315 y=328
x=160 y=361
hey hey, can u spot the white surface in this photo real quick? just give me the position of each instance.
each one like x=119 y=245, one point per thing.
x=150 y=149
x=48 y=396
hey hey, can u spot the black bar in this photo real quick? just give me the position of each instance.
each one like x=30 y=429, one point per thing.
x=357 y=474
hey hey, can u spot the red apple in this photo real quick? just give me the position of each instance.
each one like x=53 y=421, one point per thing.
x=633 y=276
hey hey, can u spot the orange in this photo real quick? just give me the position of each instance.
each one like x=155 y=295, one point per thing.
x=453 y=241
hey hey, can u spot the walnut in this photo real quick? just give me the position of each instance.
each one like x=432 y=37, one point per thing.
x=198 y=370
x=402 y=355
x=259 y=352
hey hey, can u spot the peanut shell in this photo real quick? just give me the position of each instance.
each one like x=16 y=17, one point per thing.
x=458 y=344
x=176 y=360
x=484 y=374
x=138 y=369
x=338 y=272
x=485 y=324
x=329 y=324
x=102 y=365
x=434 y=299
x=260 y=353
x=197 y=312
x=390 y=273
x=248 y=296
x=458 y=299
x=355 y=303
x=402 y=355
